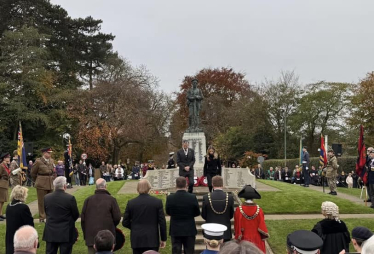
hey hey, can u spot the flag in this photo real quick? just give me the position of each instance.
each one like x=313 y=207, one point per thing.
x=301 y=151
x=322 y=153
x=21 y=149
x=361 y=160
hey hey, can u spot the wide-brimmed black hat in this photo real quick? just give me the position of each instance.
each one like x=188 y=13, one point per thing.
x=248 y=192
x=5 y=155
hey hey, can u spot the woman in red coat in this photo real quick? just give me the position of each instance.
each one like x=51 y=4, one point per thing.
x=249 y=219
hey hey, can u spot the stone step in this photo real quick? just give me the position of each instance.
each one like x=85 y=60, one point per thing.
x=199 y=248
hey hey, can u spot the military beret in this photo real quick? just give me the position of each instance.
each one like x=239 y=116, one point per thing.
x=248 y=192
x=5 y=155
x=304 y=241
x=47 y=150
x=361 y=233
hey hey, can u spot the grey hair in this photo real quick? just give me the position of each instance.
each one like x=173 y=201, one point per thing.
x=22 y=240
x=59 y=183
x=100 y=184
x=19 y=193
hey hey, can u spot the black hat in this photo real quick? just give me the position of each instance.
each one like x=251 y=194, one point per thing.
x=5 y=155
x=304 y=241
x=194 y=79
x=304 y=147
x=213 y=231
x=361 y=233
x=248 y=192
x=47 y=150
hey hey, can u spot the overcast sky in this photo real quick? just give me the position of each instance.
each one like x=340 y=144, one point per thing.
x=330 y=40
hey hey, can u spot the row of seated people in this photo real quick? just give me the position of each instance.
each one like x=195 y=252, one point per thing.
x=350 y=180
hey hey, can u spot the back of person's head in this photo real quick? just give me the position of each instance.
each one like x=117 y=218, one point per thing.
x=217 y=181
x=360 y=235
x=60 y=183
x=26 y=239
x=144 y=186
x=244 y=247
x=104 y=241
x=19 y=193
x=100 y=184
x=181 y=182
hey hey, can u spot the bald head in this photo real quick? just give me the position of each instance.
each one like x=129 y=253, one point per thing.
x=26 y=239
x=100 y=184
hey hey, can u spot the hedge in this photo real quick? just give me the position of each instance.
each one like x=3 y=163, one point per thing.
x=346 y=164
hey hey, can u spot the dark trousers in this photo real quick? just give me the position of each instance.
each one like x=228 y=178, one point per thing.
x=68 y=178
x=142 y=250
x=371 y=192
x=65 y=248
x=209 y=178
x=306 y=175
x=82 y=178
x=190 y=182
x=188 y=243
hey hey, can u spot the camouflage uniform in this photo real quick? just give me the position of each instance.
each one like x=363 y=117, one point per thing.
x=42 y=175
x=332 y=172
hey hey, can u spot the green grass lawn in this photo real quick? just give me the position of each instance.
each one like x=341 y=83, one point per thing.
x=354 y=192
x=294 y=199
x=80 y=247
x=278 y=232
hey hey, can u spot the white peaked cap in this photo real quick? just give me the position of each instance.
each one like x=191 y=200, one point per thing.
x=213 y=230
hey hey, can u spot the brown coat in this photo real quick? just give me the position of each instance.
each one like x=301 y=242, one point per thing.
x=42 y=174
x=100 y=211
x=15 y=179
x=4 y=178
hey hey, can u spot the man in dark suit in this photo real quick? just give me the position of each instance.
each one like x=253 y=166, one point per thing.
x=306 y=162
x=144 y=216
x=62 y=212
x=218 y=207
x=182 y=208
x=185 y=161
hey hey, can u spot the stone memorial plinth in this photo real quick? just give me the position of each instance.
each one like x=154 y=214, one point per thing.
x=197 y=142
x=233 y=178
x=238 y=177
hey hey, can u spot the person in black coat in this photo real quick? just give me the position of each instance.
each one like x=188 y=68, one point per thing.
x=212 y=166
x=182 y=208
x=62 y=212
x=17 y=215
x=332 y=230
x=306 y=162
x=82 y=169
x=218 y=207
x=171 y=162
x=186 y=161
x=144 y=216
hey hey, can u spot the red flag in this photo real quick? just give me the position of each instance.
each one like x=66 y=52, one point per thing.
x=322 y=153
x=361 y=160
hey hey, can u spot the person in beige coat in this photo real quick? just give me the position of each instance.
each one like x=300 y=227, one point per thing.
x=42 y=175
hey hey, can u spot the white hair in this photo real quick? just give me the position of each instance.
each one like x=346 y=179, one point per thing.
x=59 y=183
x=25 y=237
x=368 y=246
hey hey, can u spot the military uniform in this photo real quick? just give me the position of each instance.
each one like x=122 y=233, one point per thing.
x=15 y=179
x=370 y=182
x=331 y=173
x=42 y=175
x=4 y=185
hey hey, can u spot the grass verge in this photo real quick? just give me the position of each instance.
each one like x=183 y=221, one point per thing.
x=294 y=199
x=278 y=231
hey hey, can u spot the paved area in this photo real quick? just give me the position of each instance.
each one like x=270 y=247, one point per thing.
x=351 y=198
x=129 y=187
x=264 y=187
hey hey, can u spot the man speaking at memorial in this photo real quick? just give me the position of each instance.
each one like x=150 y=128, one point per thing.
x=186 y=161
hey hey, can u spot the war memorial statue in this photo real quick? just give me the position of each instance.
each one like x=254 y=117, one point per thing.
x=194 y=101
